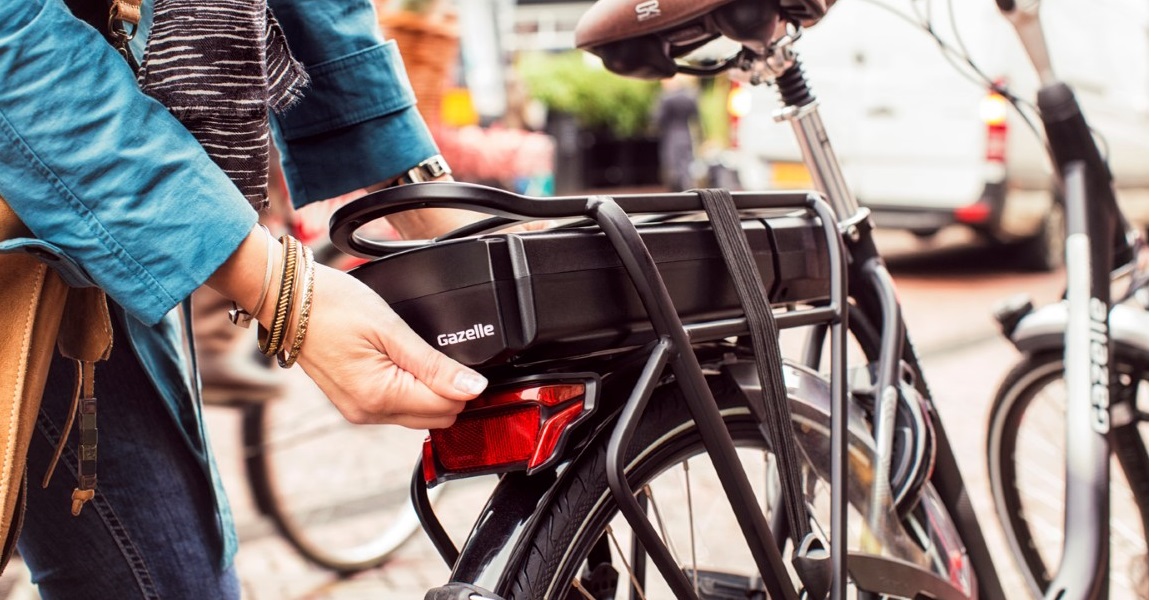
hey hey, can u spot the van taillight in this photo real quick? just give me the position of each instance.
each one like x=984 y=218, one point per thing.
x=993 y=110
x=738 y=106
x=516 y=426
x=973 y=214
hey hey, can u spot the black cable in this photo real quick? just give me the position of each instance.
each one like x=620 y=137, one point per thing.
x=972 y=72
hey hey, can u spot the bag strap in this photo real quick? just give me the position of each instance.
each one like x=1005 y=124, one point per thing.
x=774 y=415
x=85 y=337
x=118 y=20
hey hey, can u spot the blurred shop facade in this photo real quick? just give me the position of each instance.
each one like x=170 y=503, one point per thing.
x=513 y=105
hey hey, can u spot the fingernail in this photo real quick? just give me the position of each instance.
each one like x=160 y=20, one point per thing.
x=470 y=382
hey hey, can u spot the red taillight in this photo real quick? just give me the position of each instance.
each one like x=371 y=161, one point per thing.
x=973 y=214
x=997 y=143
x=993 y=110
x=514 y=427
x=495 y=439
x=429 y=460
x=550 y=434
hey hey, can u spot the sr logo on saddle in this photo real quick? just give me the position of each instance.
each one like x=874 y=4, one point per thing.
x=647 y=10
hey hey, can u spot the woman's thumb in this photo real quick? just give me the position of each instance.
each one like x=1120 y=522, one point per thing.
x=438 y=371
x=468 y=382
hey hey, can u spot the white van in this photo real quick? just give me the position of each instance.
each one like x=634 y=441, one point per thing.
x=927 y=146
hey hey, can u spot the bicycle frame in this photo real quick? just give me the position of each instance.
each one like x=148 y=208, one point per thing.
x=1097 y=240
x=871 y=287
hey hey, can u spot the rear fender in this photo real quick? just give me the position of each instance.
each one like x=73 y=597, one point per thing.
x=1042 y=329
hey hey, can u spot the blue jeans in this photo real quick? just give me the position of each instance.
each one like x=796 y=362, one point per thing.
x=151 y=531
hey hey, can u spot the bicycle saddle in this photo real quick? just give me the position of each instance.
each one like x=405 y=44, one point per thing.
x=643 y=39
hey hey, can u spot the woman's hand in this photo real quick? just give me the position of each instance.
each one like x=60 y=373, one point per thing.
x=368 y=362
x=372 y=366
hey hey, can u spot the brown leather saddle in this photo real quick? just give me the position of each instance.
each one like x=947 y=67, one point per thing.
x=642 y=38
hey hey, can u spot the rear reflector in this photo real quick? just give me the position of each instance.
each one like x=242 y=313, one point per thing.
x=467 y=444
x=515 y=426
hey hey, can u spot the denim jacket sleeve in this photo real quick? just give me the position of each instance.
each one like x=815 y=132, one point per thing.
x=357 y=124
x=102 y=172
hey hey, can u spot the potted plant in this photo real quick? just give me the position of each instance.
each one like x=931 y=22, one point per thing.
x=428 y=37
x=601 y=121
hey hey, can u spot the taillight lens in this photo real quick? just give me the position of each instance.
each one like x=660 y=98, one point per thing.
x=993 y=110
x=973 y=214
x=515 y=426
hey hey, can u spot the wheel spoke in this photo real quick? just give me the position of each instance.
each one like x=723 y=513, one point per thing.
x=581 y=589
x=659 y=521
x=691 y=528
x=630 y=573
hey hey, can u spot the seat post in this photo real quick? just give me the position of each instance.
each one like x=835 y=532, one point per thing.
x=801 y=108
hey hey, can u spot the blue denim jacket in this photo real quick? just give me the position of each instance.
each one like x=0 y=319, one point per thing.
x=120 y=195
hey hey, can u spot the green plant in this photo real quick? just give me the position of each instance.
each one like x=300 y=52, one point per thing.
x=569 y=82
x=713 y=116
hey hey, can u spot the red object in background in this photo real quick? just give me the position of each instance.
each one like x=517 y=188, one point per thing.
x=496 y=155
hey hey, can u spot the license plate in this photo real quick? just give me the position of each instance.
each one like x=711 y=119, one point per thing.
x=789 y=175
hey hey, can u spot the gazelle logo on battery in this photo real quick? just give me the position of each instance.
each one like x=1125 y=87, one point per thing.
x=475 y=332
x=647 y=10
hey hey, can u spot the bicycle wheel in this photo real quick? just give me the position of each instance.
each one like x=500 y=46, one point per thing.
x=583 y=548
x=338 y=492
x=1026 y=465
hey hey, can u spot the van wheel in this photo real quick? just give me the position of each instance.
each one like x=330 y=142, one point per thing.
x=1045 y=250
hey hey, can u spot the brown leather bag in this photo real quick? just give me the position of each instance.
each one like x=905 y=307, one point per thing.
x=39 y=312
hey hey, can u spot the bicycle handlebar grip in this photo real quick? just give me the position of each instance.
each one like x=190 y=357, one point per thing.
x=1071 y=141
x=1067 y=130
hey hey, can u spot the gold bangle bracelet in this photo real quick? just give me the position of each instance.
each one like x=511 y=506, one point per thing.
x=287 y=357
x=291 y=324
x=271 y=339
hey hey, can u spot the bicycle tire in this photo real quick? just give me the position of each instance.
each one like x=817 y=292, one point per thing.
x=572 y=524
x=1032 y=384
x=337 y=492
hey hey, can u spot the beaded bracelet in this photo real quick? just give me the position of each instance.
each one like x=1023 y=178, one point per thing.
x=287 y=357
x=271 y=339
